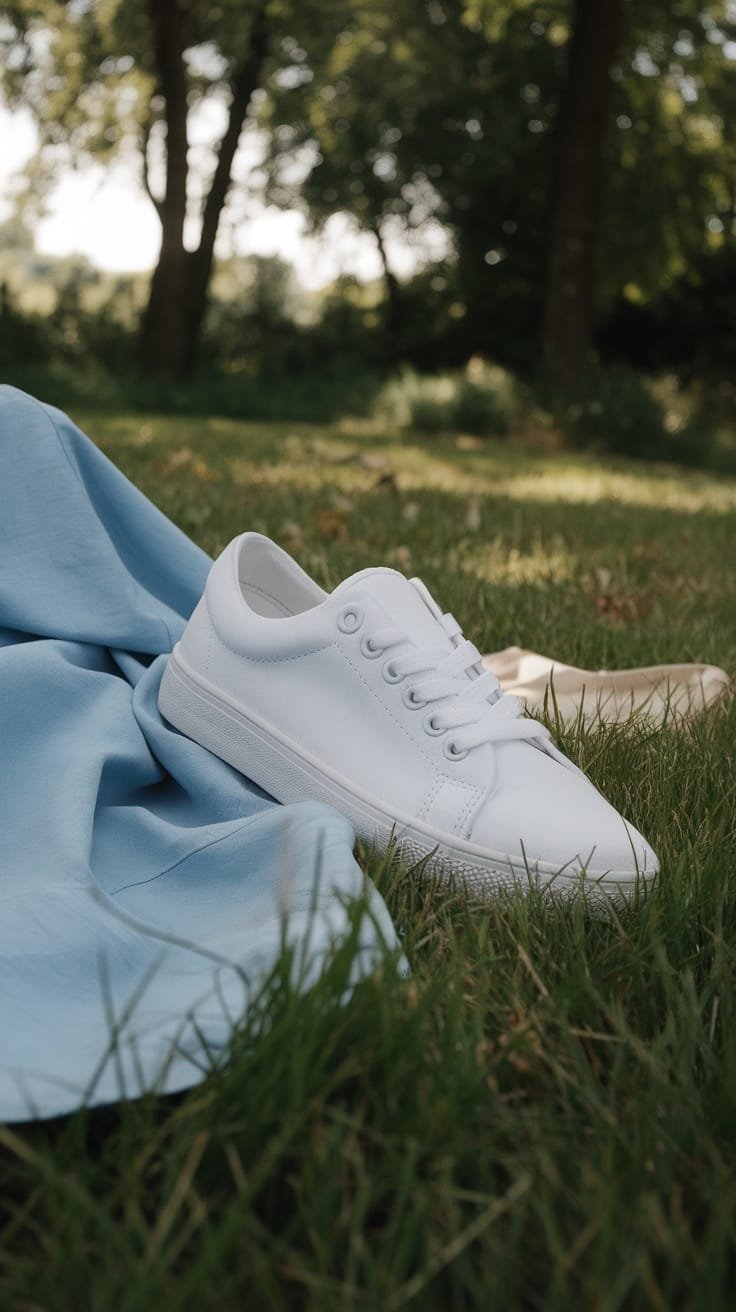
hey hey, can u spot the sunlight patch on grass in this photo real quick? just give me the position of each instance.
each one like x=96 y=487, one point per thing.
x=279 y=455
x=580 y=486
x=495 y=562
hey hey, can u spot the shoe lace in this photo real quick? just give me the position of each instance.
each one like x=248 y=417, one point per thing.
x=473 y=709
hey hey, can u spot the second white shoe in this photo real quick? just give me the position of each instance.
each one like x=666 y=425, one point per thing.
x=370 y=699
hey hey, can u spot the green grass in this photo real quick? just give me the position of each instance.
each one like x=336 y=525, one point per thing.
x=544 y=1117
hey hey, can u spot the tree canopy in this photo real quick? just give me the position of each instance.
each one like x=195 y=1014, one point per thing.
x=415 y=118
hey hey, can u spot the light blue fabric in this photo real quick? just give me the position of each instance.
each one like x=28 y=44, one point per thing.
x=144 y=884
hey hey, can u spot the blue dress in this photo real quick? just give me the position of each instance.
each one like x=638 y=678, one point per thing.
x=146 y=888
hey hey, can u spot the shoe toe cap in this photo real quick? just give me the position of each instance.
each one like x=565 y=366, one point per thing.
x=551 y=816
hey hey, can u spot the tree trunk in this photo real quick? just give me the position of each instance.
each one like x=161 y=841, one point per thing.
x=163 y=319
x=394 y=305
x=172 y=322
x=245 y=81
x=163 y=340
x=582 y=123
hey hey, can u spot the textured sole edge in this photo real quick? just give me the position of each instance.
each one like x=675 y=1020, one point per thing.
x=197 y=711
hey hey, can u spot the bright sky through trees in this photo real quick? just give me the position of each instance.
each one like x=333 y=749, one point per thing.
x=104 y=214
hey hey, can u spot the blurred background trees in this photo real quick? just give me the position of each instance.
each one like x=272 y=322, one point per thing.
x=558 y=177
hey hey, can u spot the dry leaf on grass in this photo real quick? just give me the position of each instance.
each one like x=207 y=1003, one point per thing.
x=538 y=437
x=473 y=515
x=612 y=604
x=375 y=461
x=292 y=538
x=623 y=608
x=401 y=558
x=185 y=459
x=386 y=483
x=332 y=525
x=647 y=550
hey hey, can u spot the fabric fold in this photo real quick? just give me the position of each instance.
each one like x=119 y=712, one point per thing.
x=661 y=694
x=146 y=888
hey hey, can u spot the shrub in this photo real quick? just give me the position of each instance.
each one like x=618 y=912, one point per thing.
x=302 y=398
x=481 y=399
x=653 y=419
x=619 y=413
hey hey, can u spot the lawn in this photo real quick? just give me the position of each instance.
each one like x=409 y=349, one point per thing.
x=544 y=1116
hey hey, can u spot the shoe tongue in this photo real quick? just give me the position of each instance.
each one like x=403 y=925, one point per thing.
x=406 y=601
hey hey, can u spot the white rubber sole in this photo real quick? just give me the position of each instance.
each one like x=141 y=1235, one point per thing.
x=200 y=711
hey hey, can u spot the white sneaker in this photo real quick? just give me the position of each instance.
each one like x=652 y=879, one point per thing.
x=370 y=699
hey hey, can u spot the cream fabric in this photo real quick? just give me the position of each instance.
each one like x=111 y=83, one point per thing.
x=655 y=691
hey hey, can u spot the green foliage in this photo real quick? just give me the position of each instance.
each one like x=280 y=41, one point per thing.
x=308 y=397
x=628 y=414
x=544 y=1116
x=619 y=412
x=270 y=352
x=22 y=338
x=481 y=399
x=432 y=122
x=487 y=400
x=87 y=71
x=689 y=326
x=446 y=112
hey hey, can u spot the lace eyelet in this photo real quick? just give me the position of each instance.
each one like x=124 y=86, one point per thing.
x=432 y=728
x=368 y=649
x=410 y=700
x=390 y=675
x=350 y=619
x=454 y=753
